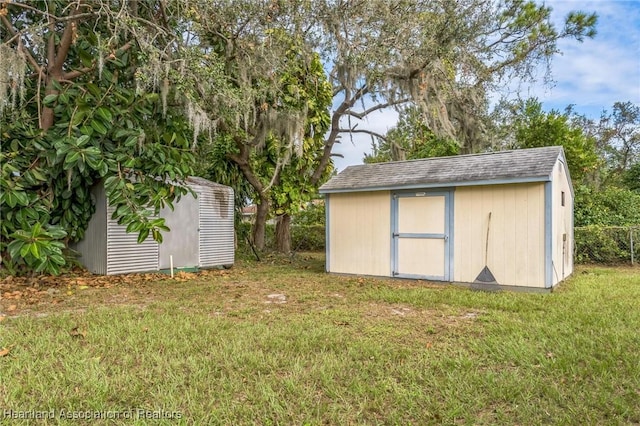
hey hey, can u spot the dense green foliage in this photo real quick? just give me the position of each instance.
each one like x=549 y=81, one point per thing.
x=608 y=206
x=631 y=177
x=80 y=120
x=533 y=127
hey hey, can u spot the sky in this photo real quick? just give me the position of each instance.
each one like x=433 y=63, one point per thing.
x=591 y=75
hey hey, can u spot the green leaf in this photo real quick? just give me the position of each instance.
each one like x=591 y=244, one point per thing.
x=35 y=250
x=157 y=236
x=86 y=130
x=71 y=159
x=57 y=259
x=24 y=250
x=93 y=89
x=135 y=226
x=14 y=248
x=11 y=199
x=49 y=100
x=144 y=233
x=56 y=232
x=105 y=114
x=21 y=198
x=63 y=98
x=98 y=127
x=82 y=140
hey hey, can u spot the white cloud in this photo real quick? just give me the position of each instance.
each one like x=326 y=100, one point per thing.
x=598 y=72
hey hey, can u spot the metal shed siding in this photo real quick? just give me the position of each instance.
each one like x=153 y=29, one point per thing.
x=93 y=248
x=360 y=235
x=124 y=254
x=180 y=245
x=216 y=225
x=516 y=241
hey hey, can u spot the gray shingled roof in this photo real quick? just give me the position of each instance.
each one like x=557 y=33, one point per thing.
x=523 y=165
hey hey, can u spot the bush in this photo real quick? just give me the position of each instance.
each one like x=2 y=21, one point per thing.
x=308 y=237
x=313 y=214
x=303 y=237
x=611 y=206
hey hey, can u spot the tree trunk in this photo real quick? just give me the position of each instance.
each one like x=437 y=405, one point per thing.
x=283 y=233
x=260 y=225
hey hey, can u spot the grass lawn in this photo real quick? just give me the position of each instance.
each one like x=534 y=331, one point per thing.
x=280 y=342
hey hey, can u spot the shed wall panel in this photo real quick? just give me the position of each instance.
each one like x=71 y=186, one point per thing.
x=93 y=248
x=180 y=245
x=562 y=225
x=124 y=254
x=515 y=253
x=360 y=233
x=216 y=226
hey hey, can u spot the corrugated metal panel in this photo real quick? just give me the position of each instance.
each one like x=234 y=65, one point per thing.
x=124 y=254
x=93 y=249
x=216 y=225
x=181 y=243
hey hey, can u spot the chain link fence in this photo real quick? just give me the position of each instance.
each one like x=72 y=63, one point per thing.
x=607 y=244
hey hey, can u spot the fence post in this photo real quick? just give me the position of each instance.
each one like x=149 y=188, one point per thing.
x=631 y=243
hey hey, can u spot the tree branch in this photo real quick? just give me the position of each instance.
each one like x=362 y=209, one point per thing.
x=368 y=132
x=51 y=16
x=242 y=161
x=335 y=133
x=65 y=42
x=51 y=43
x=15 y=34
x=364 y=113
x=33 y=9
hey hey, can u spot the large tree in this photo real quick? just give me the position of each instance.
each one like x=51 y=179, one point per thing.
x=442 y=56
x=83 y=98
x=276 y=108
x=524 y=124
x=618 y=136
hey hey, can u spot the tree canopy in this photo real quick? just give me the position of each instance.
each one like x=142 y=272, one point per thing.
x=74 y=113
x=124 y=93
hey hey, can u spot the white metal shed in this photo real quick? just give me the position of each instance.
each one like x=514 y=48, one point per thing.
x=201 y=236
x=500 y=219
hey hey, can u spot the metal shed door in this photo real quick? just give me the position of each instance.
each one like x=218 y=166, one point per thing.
x=421 y=229
x=183 y=240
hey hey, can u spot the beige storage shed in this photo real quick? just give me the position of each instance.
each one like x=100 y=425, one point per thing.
x=493 y=220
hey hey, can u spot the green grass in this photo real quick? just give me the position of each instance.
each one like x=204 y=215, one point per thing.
x=341 y=350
